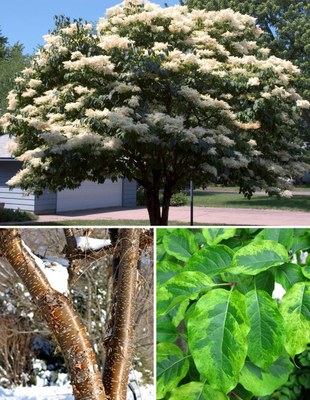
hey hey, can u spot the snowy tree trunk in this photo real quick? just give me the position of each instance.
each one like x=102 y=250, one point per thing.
x=61 y=317
x=119 y=344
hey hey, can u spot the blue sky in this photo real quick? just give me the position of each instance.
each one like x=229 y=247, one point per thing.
x=26 y=21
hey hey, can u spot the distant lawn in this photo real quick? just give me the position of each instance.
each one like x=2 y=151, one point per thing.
x=211 y=199
x=301 y=188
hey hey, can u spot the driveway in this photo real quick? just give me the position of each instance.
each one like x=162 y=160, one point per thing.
x=202 y=215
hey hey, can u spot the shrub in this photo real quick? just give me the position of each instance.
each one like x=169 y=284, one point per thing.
x=7 y=215
x=177 y=199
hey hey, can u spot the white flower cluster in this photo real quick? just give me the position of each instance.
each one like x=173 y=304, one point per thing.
x=100 y=64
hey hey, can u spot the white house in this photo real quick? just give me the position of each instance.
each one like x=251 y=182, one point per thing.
x=89 y=195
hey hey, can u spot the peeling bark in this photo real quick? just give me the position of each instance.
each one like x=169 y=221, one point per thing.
x=61 y=317
x=71 y=242
x=119 y=344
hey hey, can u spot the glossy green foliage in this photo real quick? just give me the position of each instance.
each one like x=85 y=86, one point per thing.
x=295 y=308
x=172 y=366
x=267 y=334
x=231 y=334
x=217 y=331
x=297 y=387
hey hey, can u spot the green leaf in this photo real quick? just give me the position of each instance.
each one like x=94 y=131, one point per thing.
x=295 y=309
x=172 y=366
x=283 y=236
x=217 y=331
x=181 y=244
x=160 y=233
x=245 y=283
x=262 y=383
x=165 y=270
x=258 y=256
x=210 y=260
x=306 y=270
x=301 y=240
x=265 y=281
x=288 y=274
x=243 y=394
x=184 y=286
x=216 y=235
x=160 y=252
x=196 y=391
x=165 y=330
x=267 y=335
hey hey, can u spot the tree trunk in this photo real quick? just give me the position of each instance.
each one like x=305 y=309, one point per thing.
x=158 y=215
x=166 y=204
x=61 y=317
x=119 y=343
x=71 y=242
x=153 y=206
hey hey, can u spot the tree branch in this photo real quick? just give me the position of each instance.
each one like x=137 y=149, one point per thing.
x=119 y=344
x=61 y=317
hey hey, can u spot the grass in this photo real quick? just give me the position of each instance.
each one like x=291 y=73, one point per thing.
x=236 y=200
x=301 y=188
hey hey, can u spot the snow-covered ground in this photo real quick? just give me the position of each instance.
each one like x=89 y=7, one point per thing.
x=63 y=391
x=147 y=392
x=37 y=393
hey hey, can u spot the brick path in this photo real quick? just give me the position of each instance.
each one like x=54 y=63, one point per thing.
x=202 y=215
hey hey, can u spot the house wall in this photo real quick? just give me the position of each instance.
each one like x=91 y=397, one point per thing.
x=46 y=203
x=129 y=193
x=13 y=198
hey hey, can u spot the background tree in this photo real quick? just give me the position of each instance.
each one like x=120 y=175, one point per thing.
x=53 y=316
x=159 y=96
x=12 y=61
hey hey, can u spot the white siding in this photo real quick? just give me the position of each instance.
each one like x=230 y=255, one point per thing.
x=90 y=195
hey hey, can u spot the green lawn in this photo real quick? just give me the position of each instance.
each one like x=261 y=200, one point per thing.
x=301 y=188
x=212 y=199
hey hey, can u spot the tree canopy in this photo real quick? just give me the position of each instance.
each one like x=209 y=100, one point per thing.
x=286 y=28
x=159 y=95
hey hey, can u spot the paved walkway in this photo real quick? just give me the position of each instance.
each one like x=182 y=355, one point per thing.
x=202 y=215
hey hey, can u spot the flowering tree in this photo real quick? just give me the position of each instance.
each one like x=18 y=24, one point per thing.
x=159 y=96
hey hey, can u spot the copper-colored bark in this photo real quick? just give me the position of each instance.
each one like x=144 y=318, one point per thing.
x=120 y=342
x=60 y=316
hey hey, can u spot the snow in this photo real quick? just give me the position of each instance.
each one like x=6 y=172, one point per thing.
x=56 y=273
x=63 y=390
x=37 y=393
x=86 y=243
x=57 y=276
x=145 y=392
